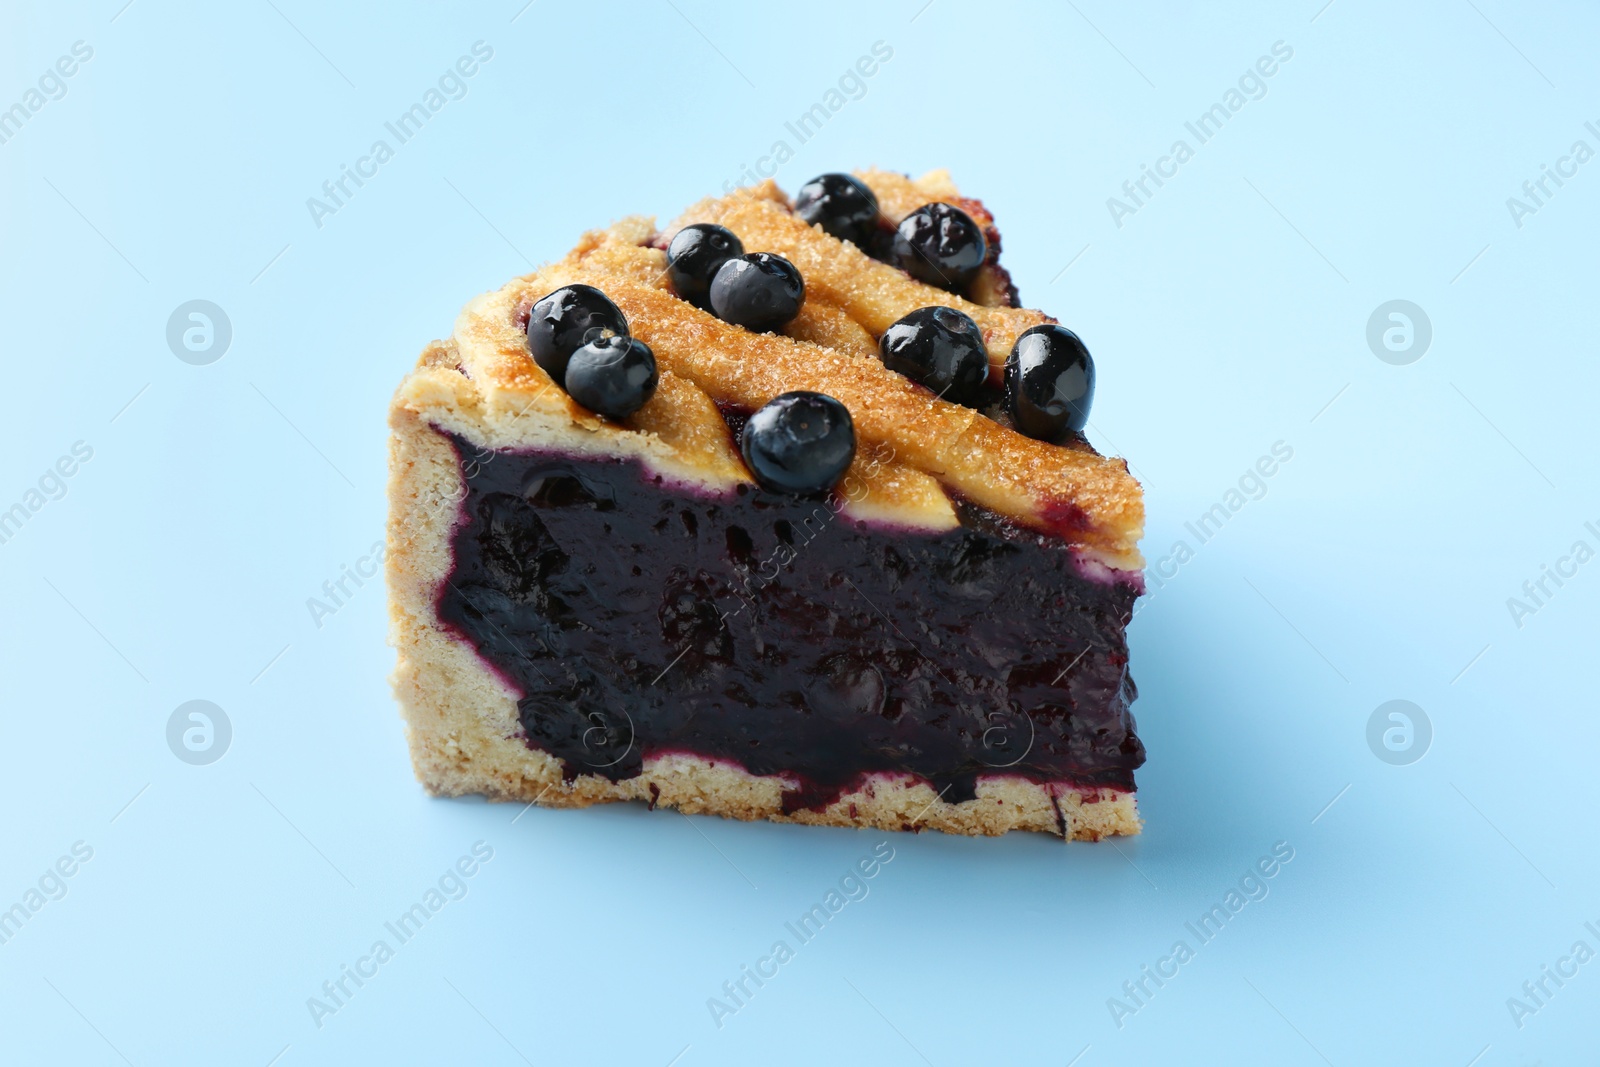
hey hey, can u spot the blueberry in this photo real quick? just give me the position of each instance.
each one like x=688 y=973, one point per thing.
x=940 y=245
x=841 y=204
x=1049 y=382
x=758 y=291
x=612 y=376
x=941 y=348
x=568 y=319
x=799 y=442
x=695 y=254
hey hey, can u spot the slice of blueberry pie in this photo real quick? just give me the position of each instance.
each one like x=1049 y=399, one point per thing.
x=784 y=512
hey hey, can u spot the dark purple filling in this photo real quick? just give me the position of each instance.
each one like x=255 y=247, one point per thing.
x=638 y=618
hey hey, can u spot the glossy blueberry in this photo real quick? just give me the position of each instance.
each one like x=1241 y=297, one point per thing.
x=942 y=349
x=841 y=204
x=568 y=319
x=758 y=291
x=799 y=442
x=612 y=376
x=1049 y=382
x=941 y=245
x=694 y=256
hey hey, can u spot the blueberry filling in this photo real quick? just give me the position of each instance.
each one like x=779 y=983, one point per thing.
x=636 y=619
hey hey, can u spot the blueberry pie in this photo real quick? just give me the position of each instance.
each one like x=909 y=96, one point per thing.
x=784 y=511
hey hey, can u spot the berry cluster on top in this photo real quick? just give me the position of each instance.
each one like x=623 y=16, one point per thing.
x=802 y=442
x=937 y=243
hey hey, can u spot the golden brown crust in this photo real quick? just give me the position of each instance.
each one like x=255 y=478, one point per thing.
x=899 y=194
x=823 y=324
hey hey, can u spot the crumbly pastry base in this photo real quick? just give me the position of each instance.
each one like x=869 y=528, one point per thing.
x=461 y=718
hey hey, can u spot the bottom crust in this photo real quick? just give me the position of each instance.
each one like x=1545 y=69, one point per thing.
x=701 y=787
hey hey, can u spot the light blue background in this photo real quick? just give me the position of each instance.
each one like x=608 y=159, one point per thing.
x=1228 y=314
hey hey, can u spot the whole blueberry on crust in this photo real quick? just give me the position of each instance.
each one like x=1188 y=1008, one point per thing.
x=1049 y=378
x=759 y=291
x=941 y=348
x=694 y=256
x=566 y=320
x=841 y=204
x=941 y=245
x=612 y=376
x=799 y=442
